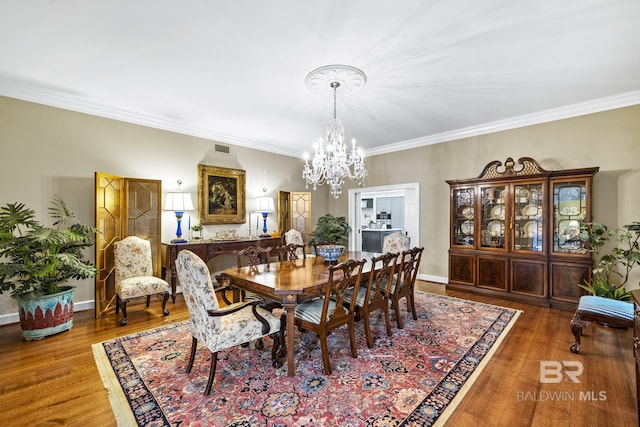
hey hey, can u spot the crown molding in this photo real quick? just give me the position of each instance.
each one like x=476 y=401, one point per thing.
x=52 y=98
x=574 y=110
x=40 y=95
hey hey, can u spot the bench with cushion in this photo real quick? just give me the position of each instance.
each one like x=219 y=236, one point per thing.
x=599 y=309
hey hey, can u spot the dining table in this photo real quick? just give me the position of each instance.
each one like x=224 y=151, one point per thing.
x=291 y=283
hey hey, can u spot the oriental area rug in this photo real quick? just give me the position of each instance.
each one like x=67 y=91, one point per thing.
x=414 y=378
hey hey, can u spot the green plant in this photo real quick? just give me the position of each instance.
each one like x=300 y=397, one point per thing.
x=331 y=228
x=611 y=270
x=35 y=259
x=196 y=227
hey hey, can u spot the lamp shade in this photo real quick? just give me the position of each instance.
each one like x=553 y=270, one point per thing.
x=178 y=202
x=265 y=204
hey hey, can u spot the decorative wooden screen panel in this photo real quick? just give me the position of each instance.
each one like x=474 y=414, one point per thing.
x=124 y=207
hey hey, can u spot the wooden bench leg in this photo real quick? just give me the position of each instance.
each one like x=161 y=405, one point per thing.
x=577 y=324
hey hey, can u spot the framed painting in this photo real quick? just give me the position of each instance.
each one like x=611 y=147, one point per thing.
x=221 y=195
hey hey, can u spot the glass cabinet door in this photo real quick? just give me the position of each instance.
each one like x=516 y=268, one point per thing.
x=492 y=216
x=463 y=216
x=569 y=210
x=528 y=214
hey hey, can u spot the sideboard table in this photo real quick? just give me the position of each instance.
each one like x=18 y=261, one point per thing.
x=206 y=249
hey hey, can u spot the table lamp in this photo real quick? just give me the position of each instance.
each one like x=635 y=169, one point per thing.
x=264 y=206
x=178 y=202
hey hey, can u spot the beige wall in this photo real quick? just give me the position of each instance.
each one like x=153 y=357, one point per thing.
x=610 y=140
x=47 y=151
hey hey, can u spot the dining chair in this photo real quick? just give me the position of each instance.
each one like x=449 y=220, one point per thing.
x=404 y=283
x=396 y=242
x=134 y=277
x=290 y=252
x=375 y=295
x=253 y=256
x=218 y=328
x=323 y=315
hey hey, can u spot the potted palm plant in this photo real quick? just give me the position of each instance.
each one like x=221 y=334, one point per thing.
x=36 y=263
x=330 y=236
x=612 y=269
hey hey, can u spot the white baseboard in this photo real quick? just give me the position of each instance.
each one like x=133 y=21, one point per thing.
x=430 y=278
x=6 y=319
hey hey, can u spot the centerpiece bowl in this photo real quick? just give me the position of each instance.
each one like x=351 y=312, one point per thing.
x=330 y=253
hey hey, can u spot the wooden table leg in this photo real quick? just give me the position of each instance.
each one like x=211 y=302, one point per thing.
x=235 y=295
x=290 y=309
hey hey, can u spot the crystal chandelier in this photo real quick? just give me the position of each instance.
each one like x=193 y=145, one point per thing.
x=331 y=163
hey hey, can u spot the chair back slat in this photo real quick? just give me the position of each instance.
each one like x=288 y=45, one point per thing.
x=342 y=277
x=254 y=256
x=408 y=270
x=290 y=251
x=382 y=272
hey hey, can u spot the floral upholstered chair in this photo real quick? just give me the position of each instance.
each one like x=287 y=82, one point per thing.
x=294 y=237
x=254 y=256
x=222 y=328
x=396 y=243
x=134 y=275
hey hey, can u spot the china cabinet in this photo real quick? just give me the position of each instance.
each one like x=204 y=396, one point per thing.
x=514 y=232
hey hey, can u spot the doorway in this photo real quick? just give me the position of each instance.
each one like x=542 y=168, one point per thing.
x=411 y=214
x=294 y=211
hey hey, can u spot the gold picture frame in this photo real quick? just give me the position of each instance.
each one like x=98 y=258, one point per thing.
x=221 y=195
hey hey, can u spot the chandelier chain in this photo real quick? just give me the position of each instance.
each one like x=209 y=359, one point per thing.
x=335 y=86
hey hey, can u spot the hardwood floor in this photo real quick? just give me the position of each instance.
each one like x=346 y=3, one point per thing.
x=55 y=381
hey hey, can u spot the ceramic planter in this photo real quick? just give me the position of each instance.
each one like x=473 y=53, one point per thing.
x=46 y=315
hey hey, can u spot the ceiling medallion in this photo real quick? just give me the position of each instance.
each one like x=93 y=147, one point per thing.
x=350 y=79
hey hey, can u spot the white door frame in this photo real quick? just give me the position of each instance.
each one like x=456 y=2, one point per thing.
x=411 y=211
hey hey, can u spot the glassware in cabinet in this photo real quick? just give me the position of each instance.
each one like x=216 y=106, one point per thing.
x=492 y=216
x=463 y=216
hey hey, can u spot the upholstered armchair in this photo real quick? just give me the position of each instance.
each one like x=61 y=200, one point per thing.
x=134 y=275
x=396 y=242
x=221 y=328
x=254 y=256
x=294 y=237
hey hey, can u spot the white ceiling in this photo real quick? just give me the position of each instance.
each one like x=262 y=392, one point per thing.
x=234 y=71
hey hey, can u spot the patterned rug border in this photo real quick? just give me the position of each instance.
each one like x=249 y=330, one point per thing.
x=444 y=416
x=496 y=333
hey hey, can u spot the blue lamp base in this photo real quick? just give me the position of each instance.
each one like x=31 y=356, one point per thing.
x=264 y=226
x=179 y=238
